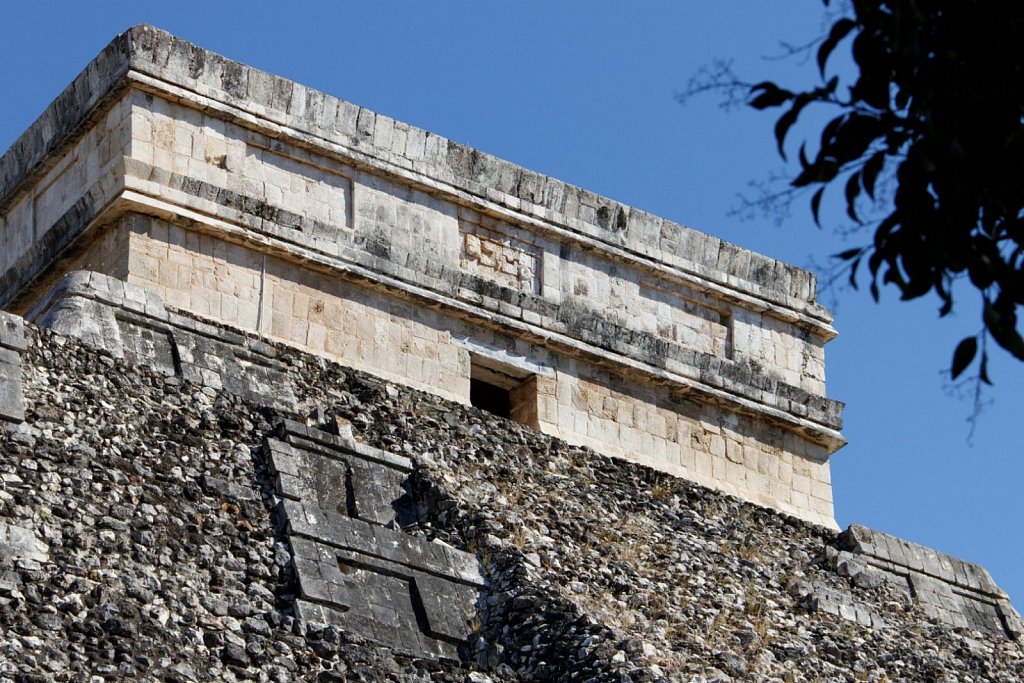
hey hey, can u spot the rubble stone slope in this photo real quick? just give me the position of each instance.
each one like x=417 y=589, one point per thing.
x=143 y=540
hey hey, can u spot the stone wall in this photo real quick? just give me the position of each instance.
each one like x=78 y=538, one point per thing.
x=40 y=222
x=199 y=161
x=154 y=522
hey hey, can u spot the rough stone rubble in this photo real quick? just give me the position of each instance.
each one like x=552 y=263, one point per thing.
x=145 y=541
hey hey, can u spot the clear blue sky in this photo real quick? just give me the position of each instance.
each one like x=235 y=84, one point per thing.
x=583 y=90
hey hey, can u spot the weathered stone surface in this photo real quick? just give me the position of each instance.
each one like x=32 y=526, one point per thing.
x=949 y=589
x=12 y=344
x=168 y=556
x=131 y=322
x=21 y=545
x=345 y=505
x=173 y=211
x=12 y=332
x=230 y=195
x=818 y=597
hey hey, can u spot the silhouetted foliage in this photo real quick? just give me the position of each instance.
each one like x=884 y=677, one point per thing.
x=936 y=113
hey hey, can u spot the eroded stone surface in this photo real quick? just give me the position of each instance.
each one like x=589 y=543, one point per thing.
x=131 y=322
x=345 y=506
x=168 y=557
x=233 y=221
x=12 y=344
x=22 y=545
x=952 y=590
x=239 y=197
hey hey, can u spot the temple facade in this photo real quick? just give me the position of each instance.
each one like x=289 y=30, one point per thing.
x=221 y=193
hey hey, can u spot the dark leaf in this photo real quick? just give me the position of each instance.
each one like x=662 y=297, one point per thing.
x=768 y=95
x=828 y=133
x=821 y=171
x=1001 y=324
x=829 y=88
x=787 y=120
x=983 y=372
x=853 y=137
x=782 y=127
x=871 y=53
x=870 y=172
x=916 y=287
x=852 y=190
x=816 y=204
x=901 y=100
x=963 y=356
x=804 y=163
x=875 y=261
x=853 y=272
x=839 y=31
x=848 y=254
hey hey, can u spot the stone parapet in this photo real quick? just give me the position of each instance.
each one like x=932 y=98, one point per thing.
x=947 y=588
x=130 y=322
x=147 y=55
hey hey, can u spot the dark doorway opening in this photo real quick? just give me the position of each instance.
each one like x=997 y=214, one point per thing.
x=504 y=390
x=490 y=397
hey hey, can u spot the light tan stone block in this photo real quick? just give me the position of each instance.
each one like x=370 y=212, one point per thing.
x=717 y=446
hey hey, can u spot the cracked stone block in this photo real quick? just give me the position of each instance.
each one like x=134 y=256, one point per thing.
x=12 y=332
x=12 y=400
x=91 y=321
x=818 y=597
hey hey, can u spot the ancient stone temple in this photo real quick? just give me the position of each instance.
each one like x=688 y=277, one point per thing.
x=234 y=196
x=256 y=260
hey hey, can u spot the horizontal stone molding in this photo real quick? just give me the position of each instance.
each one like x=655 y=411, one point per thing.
x=155 y=59
x=721 y=380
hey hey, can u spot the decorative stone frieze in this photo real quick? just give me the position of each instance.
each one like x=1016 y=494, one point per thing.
x=345 y=505
x=503 y=258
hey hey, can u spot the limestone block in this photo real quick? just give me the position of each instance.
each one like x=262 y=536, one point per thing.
x=20 y=543
x=12 y=332
x=12 y=399
x=91 y=321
